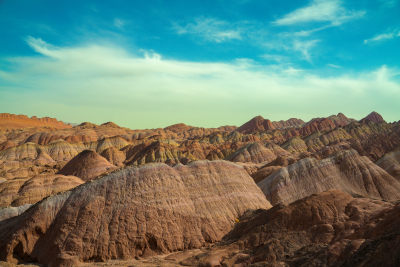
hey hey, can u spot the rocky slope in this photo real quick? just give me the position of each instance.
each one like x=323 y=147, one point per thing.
x=391 y=163
x=87 y=165
x=19 y=191
x=346 y=171
x=133 y=212
x=328 y=229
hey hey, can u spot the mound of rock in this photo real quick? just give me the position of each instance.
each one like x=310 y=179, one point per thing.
x=346 y=171
x=87 y=165
x=133 y=212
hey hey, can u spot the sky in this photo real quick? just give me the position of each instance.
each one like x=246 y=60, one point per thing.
x=150 y=64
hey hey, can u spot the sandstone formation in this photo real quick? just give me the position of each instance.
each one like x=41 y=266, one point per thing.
x=253 y=152
x=114 y=156
x=256 y=124
x=19 y=191
x=21 y=121
x=346 y=171
x=133 y=212
x=328 y=229
x=87 y=165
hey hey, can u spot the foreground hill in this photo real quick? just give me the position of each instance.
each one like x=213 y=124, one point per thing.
x=133 y=212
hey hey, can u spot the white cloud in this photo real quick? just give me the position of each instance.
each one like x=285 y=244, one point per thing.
x=210 y=29
x=275 y=58
x=334 y=66
x=119 y=23
x=304 y=47
x=330 y=11
x=96 y=82
x=383 y=37
x=389 y=3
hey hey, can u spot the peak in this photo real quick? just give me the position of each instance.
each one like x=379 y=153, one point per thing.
x=110 y=124
x=87 y=165
x=373 y=117
x=257 y=118
x=176 y=126
x=87 y=125
x=256 y=124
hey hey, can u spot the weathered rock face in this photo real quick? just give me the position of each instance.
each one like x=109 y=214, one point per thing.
x=19 y=191
x=254 y=152
x=327 y=229
x=114 y=156
x=6 y=213
x=346 y=171
x=87 y=165
x=391 y=163
x=133 y=212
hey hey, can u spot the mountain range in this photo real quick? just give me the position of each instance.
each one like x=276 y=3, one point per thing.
x=267 y=193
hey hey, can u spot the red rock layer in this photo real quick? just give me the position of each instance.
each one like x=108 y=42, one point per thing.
x=21 y=121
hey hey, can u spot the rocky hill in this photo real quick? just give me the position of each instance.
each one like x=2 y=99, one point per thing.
x=91 y=193
x=133 y=212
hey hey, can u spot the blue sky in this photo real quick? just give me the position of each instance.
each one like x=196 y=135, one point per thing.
x=146 y=64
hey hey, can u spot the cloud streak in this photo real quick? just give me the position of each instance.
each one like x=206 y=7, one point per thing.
x=210 y=29
x=383 y=37
x=328 y=11
x=99 y=83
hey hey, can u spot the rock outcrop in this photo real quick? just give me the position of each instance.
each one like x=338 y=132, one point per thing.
x=328 y=229
x=133 y=212
x=346 y=171
x=253 y=152
x=22 y=121
x=373 y=117
x=20 y=191
x=256 y=124
x=87 y=165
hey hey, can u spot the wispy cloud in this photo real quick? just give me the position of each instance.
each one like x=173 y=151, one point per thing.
x=330 y=11
x=389 y=3
x=334 y=66
x=209 y=29
x=119 y=23
x=93 y=82
x=383 y=37
x=304 y=47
